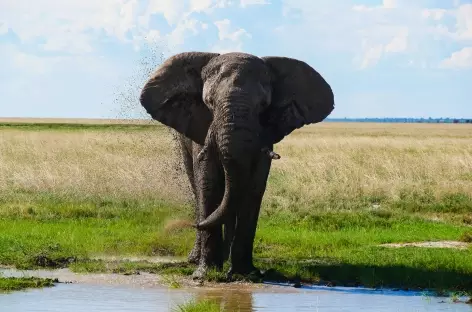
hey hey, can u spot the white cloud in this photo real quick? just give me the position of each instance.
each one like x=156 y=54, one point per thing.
x=230 y=40
x=171 y=10
x=246 y=3
x=381 y=33
x=178 y=35
x=461 y=30
x=386 y=4
x=371 y=56
x=55 y=86
x=67 y=25
x=209 y=6
x=390 y=4
x=373 y=52
x=464 y=22
x=75 y=25
x=200 y=5
x=411 y=30
x=399 y=43
x=224 y=31
x=459 y=59
x=3 y=28
x=362 y=8
x=30 y=64
x=435 y=14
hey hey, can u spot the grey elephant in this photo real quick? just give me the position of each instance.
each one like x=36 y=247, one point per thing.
x=229 y=110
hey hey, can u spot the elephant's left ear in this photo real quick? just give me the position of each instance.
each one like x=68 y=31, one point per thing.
x=300 y=96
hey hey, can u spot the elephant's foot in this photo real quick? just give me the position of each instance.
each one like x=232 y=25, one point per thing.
x=203 y=268
x=200 y=272
x=193 y=257
x=249 y=272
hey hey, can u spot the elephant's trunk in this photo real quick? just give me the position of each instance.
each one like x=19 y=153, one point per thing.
x=226 y=208
x=237 y=144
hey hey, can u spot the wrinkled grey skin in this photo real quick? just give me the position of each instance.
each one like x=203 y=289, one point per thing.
x=227 y=109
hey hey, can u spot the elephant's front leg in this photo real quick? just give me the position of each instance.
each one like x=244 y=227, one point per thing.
x=229 y=227
x=246 y=223
x=209 y=185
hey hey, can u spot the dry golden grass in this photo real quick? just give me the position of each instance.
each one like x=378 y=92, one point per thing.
x=91 y=163
x=321 y=163
x=344 y=161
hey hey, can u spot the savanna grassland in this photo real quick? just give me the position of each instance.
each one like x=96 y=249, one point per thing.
x=74 y=191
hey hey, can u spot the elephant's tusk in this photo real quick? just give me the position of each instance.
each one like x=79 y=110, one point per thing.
x=270 y=154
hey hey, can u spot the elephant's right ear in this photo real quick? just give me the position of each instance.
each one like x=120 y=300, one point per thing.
x=173 y=95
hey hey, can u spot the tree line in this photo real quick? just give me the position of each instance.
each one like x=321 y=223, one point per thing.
x=403 y=120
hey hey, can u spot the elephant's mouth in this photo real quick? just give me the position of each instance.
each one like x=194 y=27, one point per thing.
x=269 y=153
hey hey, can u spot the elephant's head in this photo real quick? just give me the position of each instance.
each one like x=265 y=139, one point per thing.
x=237 y=105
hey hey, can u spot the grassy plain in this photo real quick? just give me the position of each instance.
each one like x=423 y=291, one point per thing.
x=71 y=191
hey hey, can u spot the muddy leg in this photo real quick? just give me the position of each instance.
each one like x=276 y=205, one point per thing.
x=186 y=146
x=209 y=185
x=228 y=231
x=246 y=224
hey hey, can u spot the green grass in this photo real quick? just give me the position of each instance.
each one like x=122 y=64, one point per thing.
x=51 y=232
x=20 y=283
x=336 y=247
x=198 y=306
x=75 y=126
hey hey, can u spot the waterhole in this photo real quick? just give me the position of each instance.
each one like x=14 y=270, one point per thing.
x=145 y=292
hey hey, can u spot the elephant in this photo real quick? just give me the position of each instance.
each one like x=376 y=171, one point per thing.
x=229 y=111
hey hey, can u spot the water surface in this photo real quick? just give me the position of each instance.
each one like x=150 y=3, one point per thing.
x=128 y=293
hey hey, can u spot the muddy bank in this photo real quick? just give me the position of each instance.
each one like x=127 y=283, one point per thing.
x=141 y=280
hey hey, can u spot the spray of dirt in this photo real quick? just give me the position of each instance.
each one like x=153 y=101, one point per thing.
x=128 y=107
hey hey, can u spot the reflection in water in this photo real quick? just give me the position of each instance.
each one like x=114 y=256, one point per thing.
x=229 y=300
x=101 y=298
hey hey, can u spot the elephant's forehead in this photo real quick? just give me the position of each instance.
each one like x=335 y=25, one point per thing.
x=238 y=64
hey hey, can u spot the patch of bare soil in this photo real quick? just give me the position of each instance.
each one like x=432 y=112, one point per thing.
x=142 y=280
x=438 y=244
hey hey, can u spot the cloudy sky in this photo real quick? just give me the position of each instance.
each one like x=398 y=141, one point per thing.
x=88 y=58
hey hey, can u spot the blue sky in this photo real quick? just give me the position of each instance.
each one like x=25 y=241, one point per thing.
x=83 y=58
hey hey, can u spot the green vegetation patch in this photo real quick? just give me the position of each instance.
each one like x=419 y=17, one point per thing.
x=75 y=126
x=54 y=232
x=339 y=248
x=8 y=284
